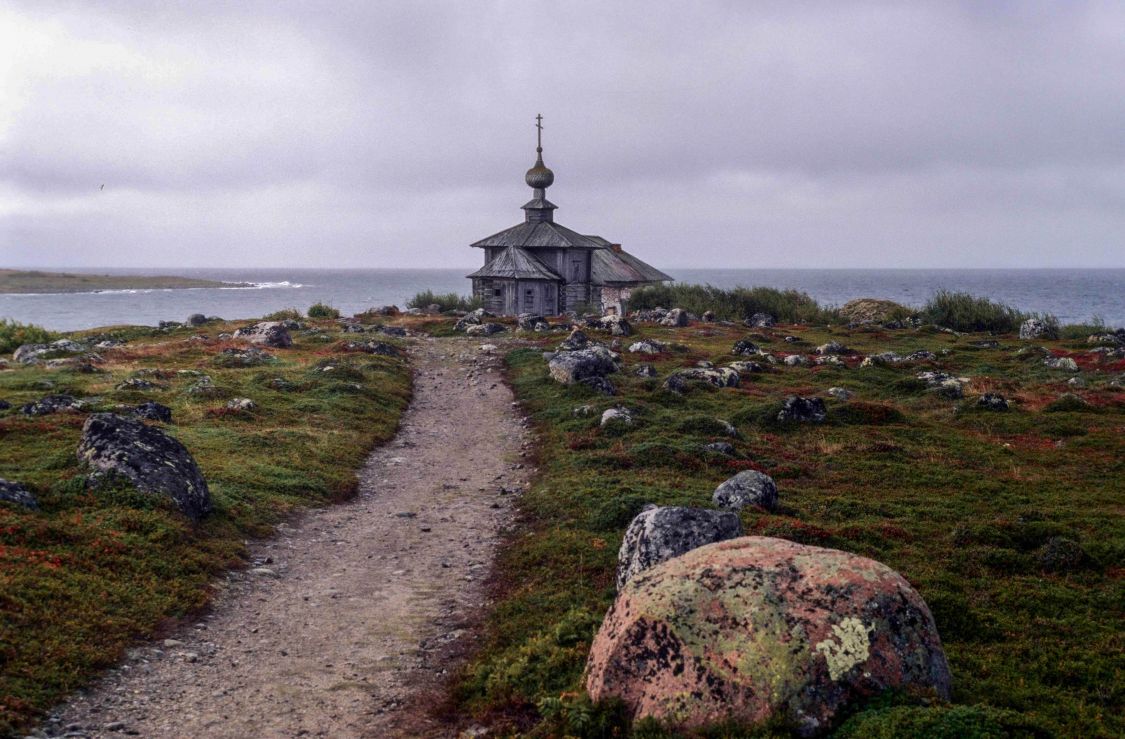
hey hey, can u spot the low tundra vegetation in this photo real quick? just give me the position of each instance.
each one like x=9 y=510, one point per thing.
x=1008 y=522
x=444 y=301
x=13 y=334
x=88 y=573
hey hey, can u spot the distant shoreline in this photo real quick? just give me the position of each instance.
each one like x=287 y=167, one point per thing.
x=37 y=282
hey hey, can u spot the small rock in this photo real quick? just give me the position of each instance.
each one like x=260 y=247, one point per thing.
x=747 y=488
x=617 y=415
x=840 y=393
x=658 y=534
x=241 y=405
x=1035 y=328
x=14 y=492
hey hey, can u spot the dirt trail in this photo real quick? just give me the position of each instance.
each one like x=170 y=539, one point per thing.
x=351 y=610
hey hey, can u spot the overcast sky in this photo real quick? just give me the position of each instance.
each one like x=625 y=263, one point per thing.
x=712 y=134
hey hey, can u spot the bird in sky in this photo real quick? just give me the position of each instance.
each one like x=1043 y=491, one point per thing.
x=101 y=188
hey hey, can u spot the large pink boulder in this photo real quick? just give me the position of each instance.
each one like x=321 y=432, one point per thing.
x=756 y=628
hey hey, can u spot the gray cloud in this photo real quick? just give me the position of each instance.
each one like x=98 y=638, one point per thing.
x=725 y=134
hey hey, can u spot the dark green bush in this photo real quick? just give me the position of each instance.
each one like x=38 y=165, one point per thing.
x=965 y=312
x=444 y=301
x=285 y=314
x=787 y=306
x=320 y=310
x=941 y=722
x=14 y=334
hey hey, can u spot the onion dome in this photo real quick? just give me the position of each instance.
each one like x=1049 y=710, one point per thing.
x=539 y=177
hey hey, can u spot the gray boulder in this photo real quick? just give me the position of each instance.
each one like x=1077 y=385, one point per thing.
x=196 y=319
x=1061 y=363
x=675 y=317
x=720 y=447
x=570 y=367
x=241 y=405
x=747 y=488
x=645 y=370
x=528 y=321
x=616 y=325
x=796 y=409
x=151 y=460
x=1034 y=328
x=29 y=353
x=13 y=492
x=270 y=333
x=796 y=360
x=840 y=393
x=658 y=534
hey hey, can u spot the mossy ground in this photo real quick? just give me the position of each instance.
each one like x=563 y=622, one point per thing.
x=88 y=573
x=969 y=505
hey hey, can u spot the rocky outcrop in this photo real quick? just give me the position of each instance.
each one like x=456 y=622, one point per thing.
x=574 y=341
x=744 y=347
x=484 y=329
x=683 y=380
x=372 y=347
x=615 y=325
x=757 y=629
x=33 y=353
x=571 y=367
x=833 y=348
x=796 y=360
x=647 y=346
x=473 y=318
x=658 y=534
x=747 y=488
x=797 y=409
x=944 y=385
x=1036 y=328
x=250 y=357
x=531 y=322
x=1061 y=363
x=269 y=333
x=148 y=458
x=52 y=404
x=14 y=492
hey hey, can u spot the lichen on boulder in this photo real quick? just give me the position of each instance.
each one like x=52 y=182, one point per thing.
x=756 y=629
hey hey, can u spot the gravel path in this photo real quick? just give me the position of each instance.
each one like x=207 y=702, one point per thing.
x=350 y=611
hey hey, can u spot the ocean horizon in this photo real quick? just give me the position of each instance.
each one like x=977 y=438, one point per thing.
x=1072 y=295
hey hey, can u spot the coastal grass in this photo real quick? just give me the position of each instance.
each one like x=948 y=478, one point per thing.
x=89 y=573
x=964 y=312
x=736 y=304
x=1008 y=523
x=444 y=301
x=322 y=310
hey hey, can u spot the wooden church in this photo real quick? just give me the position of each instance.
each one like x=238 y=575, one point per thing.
x=540 y=266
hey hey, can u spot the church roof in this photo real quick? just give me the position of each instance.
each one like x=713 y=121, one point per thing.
x=539 y=234
x=612 y=266
x=516 y=263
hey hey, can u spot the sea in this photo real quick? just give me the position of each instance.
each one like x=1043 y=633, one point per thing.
x=1072 y=295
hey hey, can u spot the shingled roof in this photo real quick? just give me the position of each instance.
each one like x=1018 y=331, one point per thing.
x=516 y=263
x=612 y=266
x=539 y=234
